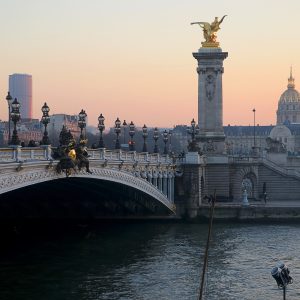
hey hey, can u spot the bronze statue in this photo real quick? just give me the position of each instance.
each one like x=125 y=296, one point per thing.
x=72 y=156
x=82 y=156
x=209 y=32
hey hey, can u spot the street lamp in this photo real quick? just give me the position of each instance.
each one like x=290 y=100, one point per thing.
x=9 y=101
x=117 y=131
x=165 y=139
x=15 y=117
x=281 y=274
x=82 y=122
x=101 y=127
x=145 y=135
x=45 y=120
x=254 y=141
x=124 y=126
x=131 y=133
x=193 y=131
x=155 y=137
x=170 y=141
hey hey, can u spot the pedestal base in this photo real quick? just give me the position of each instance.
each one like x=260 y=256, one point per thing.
x=211 y=143
x=210 y=45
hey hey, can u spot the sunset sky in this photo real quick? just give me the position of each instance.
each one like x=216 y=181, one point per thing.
x=132 y=59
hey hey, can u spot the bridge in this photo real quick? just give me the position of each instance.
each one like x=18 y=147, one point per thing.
x=151 y=176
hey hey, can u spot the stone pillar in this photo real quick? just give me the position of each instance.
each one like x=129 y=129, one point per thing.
x=155 y=178
x=211 y=136
x=16 y=152
x=170 y=186
x=165 y=183
x=173 y=189
x=160 y=181
x=149 y=176
x=47 y=151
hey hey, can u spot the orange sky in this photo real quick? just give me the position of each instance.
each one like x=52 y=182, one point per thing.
x=133 y=59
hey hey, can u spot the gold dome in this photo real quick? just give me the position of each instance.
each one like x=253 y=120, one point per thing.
x=291 y=95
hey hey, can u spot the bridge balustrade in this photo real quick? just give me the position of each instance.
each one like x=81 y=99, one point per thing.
x=18 y=153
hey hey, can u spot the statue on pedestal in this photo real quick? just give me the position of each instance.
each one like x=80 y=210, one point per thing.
x=209 y=32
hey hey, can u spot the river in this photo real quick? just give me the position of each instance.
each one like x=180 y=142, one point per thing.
x=152 y=260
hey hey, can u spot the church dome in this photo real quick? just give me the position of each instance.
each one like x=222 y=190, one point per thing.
x=291 y=95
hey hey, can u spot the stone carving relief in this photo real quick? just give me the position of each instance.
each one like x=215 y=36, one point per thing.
x=275 y=146
x=210 y=86
x=209 y=146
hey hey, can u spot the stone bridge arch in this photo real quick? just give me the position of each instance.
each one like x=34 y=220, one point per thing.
x=36 y=174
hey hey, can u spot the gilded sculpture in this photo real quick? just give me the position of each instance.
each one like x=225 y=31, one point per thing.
x=209 y=32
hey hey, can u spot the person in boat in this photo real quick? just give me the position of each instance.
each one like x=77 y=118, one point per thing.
x=82 y=156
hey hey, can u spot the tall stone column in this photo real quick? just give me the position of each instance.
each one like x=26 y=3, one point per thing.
x=165 y=183
x=211 y=136
x=160 y=181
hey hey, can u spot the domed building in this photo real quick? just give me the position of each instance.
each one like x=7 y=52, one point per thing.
x=289 y=104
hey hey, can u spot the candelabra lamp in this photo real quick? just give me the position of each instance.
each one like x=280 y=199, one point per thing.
x=15 y=116
x=124 y=127
x=82 y=123
x=101 y=127
x=45 y=121
x=145 y=135
x=117 y=131
x=165 y=139
x=131 y=133
x=9 y=100
x=170 y=141
x=155 y=137
x=193 y=131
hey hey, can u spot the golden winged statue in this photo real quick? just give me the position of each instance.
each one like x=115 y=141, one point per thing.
x=209 y=32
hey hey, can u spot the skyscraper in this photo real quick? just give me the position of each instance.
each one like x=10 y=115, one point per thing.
x=20 y=87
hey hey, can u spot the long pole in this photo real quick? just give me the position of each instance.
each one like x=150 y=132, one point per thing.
x=9 y=135
x=211 y=215
x=284 y=292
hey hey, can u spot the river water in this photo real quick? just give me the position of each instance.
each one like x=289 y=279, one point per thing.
x=150 y=261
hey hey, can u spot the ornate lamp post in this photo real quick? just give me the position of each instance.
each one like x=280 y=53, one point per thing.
x=193 y=131
x=145 y=135
x=170 y=141
x=165 y=139
x=15 y=117
x=45 y=120
x=82 y=122
x=117 y=131
x=124 y=126
x=131 y=133
x=101 y=127
x=155 y=137
x=9 y=101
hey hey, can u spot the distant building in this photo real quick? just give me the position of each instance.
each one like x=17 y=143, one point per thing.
x=20 y=87
x=57 y=121
x=289 y=104
x=28 y=130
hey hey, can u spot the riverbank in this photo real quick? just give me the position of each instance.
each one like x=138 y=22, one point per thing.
x=272 y=211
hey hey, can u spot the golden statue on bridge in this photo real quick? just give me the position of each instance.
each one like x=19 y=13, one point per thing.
x=209 y=32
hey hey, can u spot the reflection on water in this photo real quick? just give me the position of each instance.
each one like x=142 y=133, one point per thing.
x=151 y=261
